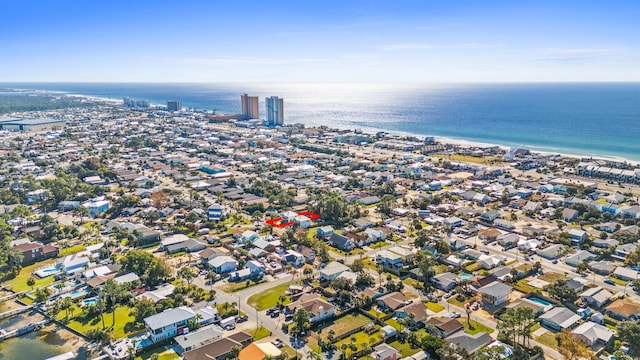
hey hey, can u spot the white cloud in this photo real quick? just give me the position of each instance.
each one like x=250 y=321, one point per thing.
x=425 y=46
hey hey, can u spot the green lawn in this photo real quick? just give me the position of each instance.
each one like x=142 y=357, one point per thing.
x=260 y=333
x=72 y=249
x=475 y=327
x=361 y=340
x=80 y=322
x=239 y=285
x=404 y=348
x=548 y=339
x=617 y=281
x=269 y=298
x=19 y=283
x=393 y=322
x=551 y=277
x=412 y=282
x=435 y=307
x=344 y=324
x=535 y=327
x=454 y=301
x=163 y=354
x=441 y=268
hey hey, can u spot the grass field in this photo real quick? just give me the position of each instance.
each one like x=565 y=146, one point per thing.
x=393 y=322
x=19 y=283
x=551 y=277
x=80 y=322
x=239 y=285
x=72 y=249
x=404 y=348
x=475 y=327
x=260 y=333
x=163 y=354
x=360 y=339
x=617 y=281
x=435 y=307
x=548 y=339
x=470 y=159
x=269 y=298
x=345 y=324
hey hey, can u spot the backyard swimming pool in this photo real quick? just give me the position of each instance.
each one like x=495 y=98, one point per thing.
x=540 y=301
x=465 y=276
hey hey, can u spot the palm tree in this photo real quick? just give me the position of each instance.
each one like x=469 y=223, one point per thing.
x=312 y=355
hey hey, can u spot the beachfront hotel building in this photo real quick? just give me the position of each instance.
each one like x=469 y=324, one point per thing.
x=275 y=111
x=249 y=106
x=174 y=105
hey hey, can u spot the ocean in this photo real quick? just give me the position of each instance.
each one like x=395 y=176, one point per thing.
x=588 y=119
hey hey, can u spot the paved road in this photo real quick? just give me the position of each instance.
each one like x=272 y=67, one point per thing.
x=259 y=317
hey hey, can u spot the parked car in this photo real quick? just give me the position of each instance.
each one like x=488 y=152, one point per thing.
x=278 y=343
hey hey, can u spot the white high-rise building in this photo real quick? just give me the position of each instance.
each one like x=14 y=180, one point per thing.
x=275 y=111
x=249 y=107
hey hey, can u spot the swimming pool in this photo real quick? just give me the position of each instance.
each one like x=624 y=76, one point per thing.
x=90 y=301
x=78 y=293
x=43 y=273
x=540 y=301
x=465 y=276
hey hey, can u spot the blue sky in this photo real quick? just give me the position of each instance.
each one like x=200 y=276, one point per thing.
x=319 y=41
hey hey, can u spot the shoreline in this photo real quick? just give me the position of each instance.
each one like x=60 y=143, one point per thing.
x=371 y=131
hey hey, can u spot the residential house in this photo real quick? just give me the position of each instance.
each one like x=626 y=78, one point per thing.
x=33 y=251
x=223 y=264
x=445 y=326
x=220 y=349
x=74 y=263
x=332 y=270
x=325 y=231
x=294 y=258
x=317 y=308
x=508 y=241
x=249 y=236
x=569 y=215
x=559 y=318
x=375 y=235
x=577 y=236
x=470 y=343
x=623 y=250
x=593 y=335
x=385 y=351
x=97 y=207
x=260 y=351
x=363 y=223
x=389 y=259
x=490 y=215
x=489 y=235
x=495 y=294
x=391 y=301
x=551 y=252
x=488 y=262
x=625 y=273
x=578 y=257
x=596 y=297
x=445 y=281
x=417 y=312
x=623 y=310
x=198 y=338
x=503 y=224
x=215 y=212
x=341 y=242
x=169 y=323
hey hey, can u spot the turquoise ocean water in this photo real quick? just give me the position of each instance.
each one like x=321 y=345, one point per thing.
x=592 y=119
